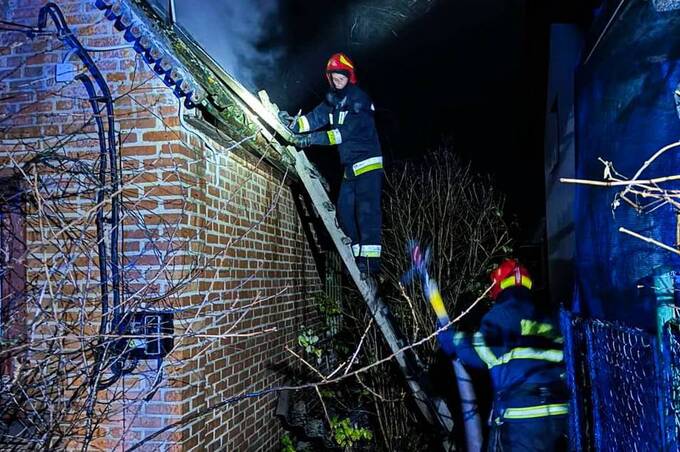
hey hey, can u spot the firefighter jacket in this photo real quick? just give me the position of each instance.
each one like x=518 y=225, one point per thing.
x=522 y=348
x=348 y=116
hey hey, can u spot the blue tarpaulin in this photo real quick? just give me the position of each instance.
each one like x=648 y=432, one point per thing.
x=625 y=112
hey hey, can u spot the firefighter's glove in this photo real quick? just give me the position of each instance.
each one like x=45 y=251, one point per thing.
x=287 y=119
x=302 y=140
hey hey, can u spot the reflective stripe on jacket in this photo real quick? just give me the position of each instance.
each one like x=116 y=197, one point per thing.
x=522 y=348
x=349 y=117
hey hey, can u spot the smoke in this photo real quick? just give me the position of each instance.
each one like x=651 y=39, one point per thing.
x=374 y=21
x=238 y=34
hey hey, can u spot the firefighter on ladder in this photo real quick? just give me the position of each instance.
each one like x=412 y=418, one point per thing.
x=346 y=117
x=521 y=346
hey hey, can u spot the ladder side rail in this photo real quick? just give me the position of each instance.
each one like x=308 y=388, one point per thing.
x=378 y=309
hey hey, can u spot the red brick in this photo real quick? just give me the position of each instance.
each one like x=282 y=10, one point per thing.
x=64 y=105
x=139 y=150
x=43 y=58
x=163 y=408
x=164 y=135
x=138 y=123
x=116 y=76
x=212 y=214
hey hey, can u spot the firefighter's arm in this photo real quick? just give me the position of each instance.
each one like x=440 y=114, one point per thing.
x=313 y=120
x=451 y=342
x=445 y=335
x=445 y=339
x=340 y=132
x=481 y=348
x=462 y=346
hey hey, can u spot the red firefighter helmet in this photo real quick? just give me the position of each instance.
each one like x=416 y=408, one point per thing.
x=509 y=273
x=341 y=63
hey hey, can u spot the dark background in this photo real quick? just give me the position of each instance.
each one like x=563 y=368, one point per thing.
x=471 y=73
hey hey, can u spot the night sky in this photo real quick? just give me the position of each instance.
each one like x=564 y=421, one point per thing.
x=469 y=72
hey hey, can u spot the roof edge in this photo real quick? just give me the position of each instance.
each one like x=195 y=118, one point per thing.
x=194 y=77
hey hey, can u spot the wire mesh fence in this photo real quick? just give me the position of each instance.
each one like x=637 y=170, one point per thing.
x=625 y=394
x=671 y=361
x=580 y=421
x=625 y=379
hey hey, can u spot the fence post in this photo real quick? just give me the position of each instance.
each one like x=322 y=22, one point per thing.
x=595 y=396
x=668 y=410
x=576 y=435
x=664 y=289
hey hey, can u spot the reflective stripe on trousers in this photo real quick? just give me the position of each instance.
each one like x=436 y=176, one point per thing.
x=359 y=250
x=530 y=412
x=364 y=166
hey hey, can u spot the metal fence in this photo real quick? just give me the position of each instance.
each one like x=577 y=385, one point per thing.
x=671 y=383
x=625 y=386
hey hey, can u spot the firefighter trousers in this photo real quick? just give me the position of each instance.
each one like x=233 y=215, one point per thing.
x=360 y=216
x=543 y=434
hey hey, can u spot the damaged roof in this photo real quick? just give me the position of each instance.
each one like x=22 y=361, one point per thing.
x=195 y=77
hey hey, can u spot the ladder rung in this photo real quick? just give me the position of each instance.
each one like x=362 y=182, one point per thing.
x=328 y=206
x=313 y=172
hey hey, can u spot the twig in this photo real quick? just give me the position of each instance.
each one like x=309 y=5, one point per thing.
x=358 y=348
x=325 y=411
x=617 y=183
x=649 y=240
x=312 y=368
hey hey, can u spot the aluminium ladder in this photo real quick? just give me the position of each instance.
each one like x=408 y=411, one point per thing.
x=433 y=409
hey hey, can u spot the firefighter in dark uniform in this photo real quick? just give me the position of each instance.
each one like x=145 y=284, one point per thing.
x=521 y=346
x=347 y=119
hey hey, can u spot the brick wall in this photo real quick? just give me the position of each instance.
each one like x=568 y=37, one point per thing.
x=207 y=230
